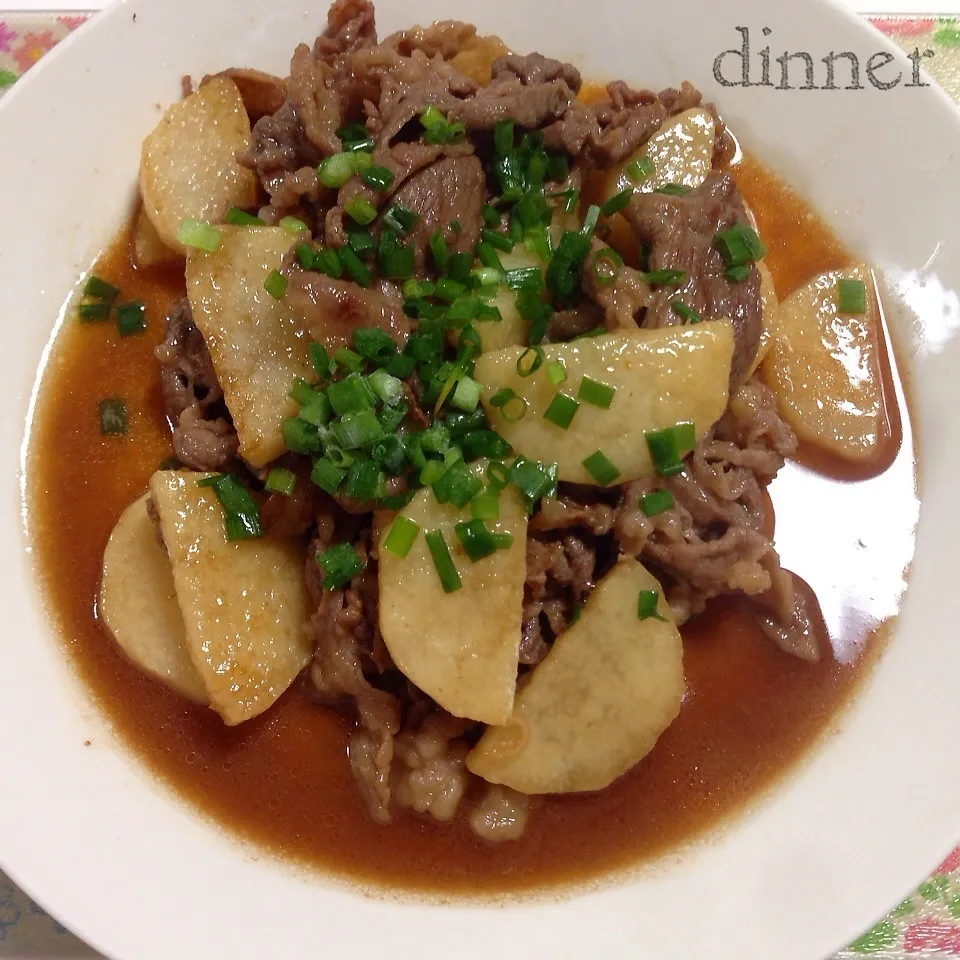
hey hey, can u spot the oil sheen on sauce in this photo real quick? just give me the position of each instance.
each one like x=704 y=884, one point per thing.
x=283 y=781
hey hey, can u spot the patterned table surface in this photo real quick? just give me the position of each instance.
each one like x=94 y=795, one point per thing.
x=926 y=924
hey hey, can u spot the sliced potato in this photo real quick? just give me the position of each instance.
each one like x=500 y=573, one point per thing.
x=138 y=603
x=599 y=701
x=770 y=310
x=513 y=328
x=257 y=344
x=460 y=648
x=681 y=152
x=661 y=377
x=188 y=163
x=825 y=368
x=244 y=603
x=150 y=250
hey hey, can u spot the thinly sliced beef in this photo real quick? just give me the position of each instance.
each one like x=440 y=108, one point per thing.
x=621 y=301
x=508 y=98
x=679 y=234
x=203 y=437
x=334 y=309
x=444 y=39
x=351 y=26
x=567 y=324
x=314 y=101
x=449 y=190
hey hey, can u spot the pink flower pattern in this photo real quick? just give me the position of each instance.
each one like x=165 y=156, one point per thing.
x=31 y=48
x=7 y=36
x=72 y=22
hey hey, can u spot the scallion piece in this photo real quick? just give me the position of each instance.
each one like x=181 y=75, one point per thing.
x=304 y=255
x=401 y=536
x=601 y=469
x=738 y=273
x=374 y=345
x=491 y=215
x=596 y=393
x=400 y=366
x=328 y=261
x=390 y=453
x=432 y=472
x=400 y=219
x=396 y=260
x=316 y=410
x=199 y=236
x=561 y=410
x=486 y=277
x=275 y=284
x=511 y=406
x=380 y=178
x=668 y=446
x=739 y=245
x=353 y=431
x=320 y=360
x=113 y=417
x=466 y=395
x=458 y=485
x=93 y=312
x=530 y=361
x=100 y=289
x=443 y=562
x=851 y=296
x=389 y=389
x=464 y=309
x=281 y=480
x=647 y=605
x=524 y=278
x=590 y=220
x=488 y=256
x=558 y=168
x=300 y=436
x=640 y=169
x=364 y=481
x=503 y=137
x=327 y=475
x=616 y=203
x=439 y=251
x=665 y=278
x=477 y=541
x=354 y=266
x=336 y=170
x=418 y=288
x=131 y=318
x=485 y=443
x=448 y=290
x=350 y=395
x=607 y=264
x=656 y=502
x=240 y=218
x=361 y=242
x=673 y=190
x=486 y=506
x=241 y=518
x=496 y=240
x=532 y=479
x=354 y=136
x=682 y=310
x=498 y=476
x=360 y=210
x=340 y=564
x=293 y=225
x=556 y=372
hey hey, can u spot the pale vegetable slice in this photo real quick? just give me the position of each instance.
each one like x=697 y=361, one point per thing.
x=460 y=648
x=244 y=603
x=512 y=329
x=188 y=163
x=256 y=343
x=661 y=377
x=681 y=151
x=150 y=250
x=599 y=701
x=138 y=603
x=824 y=368
x=770 y=312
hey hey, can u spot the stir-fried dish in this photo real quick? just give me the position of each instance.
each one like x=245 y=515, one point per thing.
x=477 y=380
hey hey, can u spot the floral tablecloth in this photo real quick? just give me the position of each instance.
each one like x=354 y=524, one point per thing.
x=926 y=924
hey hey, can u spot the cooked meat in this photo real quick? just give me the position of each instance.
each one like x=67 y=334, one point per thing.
x=679 y=234
x=501 y=814
x=351 y=25
x=449 y=190
x=535 y=69
x=279 y=147
x=202 y=443
x=334 y=309
x=623 y=300
x=444 y=39
x=314 y=101
x=567 y=324
x=510 y=98
x=566 y=512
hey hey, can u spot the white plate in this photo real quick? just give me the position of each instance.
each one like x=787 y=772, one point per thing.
x=87 y=833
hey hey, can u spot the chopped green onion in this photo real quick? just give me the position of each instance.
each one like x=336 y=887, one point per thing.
x=485 y=443
x=590 y=220
x=92 y=312
x=320 y=360
x=388 y=388
x=458 y=485
x=354 y=136
x=401 y=219
x=354 y=266
x=293 y=225
x=443 y=562
x=665 y=278
x=240 y=218
x=100 y=289
x=640 y=169
x=571 y=201
x=317 y=409
x=339 y=458
x=601 y=469
x=438 y=129
x=131 y=318
x=647 y=605
x=327 y=475
x=563 y=270
x=462 y=310
x=401 y=537
x=432 y=472
x=466 y=396
x=530 y=361
x=374 y=345
x=360 y=210
x=607 y=264
x=668 y=446
x=400 y=366
x=561 y=410
x=476 y=539
x=851 y=296
x=511 y=406
x=556 y=372
x=301 y=391
x=340 y=564
x=455 y=227
x=491 y=215
x=364 y=481
x=488 y=256
x=241 y=518
x=418 y=288
x=739 y=245
x=361 y=242
x=328 y=261
x=336 y=170
x=276 y=284
x=486 y=506
x=558 y=168
x=199 y=236
x=396 y=260
x=596 y=393
x=281 y=480
x=489 y=277
x=439 y=251
x=737 y=274
x=524 y=278
x=673 y=190
x=616 y=203
x=350 y=360
x=498 y=476
x=350 y=395
x=390 y=453
x=657 y=502
x=496 y=240
x=304 y=254
x=503 y=137
x=448 y=290
x=356 y=430
x=113 y=417
x=460 y=266
x=682 y=310
x=300 y=436
x=532 y=479
x=380 y=178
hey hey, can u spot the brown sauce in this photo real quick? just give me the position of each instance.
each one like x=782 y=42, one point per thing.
x=283 y=780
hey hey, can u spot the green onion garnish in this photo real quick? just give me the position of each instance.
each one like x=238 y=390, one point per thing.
x=561 y=410
x=530 y=361
x=657 y=502
x=380 y=178
x=673 y=190
x=439 y=251
x=374 y=345
x=391 y=454
x=432 y=472
x=511 y=406
x=281 y=480
x=304 y=255
x=340 y=564
x=596 y=393
x=487 y=277
x=485 y=443
x=354 y=136
x=327 y=475
x=647 y=605
x=336 y=170
x=491 y=215
x=350 y=395
x=438 y=129
x=240 y=218
x=524 y=278
x=316 y=409
x=443 y=562
x=590 y=220
x=476 y=539
x=113 y=417
x=558 y=168
x=401 y=219
x=466 y=396
x=488 y=256
x=616 y=203
x=361 y=242
x=640 y=169
x=737 y=274
x=497 y=240
x=275 y=284
x=293 y=225
x=328 y=261
x=320 y=360
x=668 y=446
x=418 y=288
x=360 y=210
x=356 y=430
x=300 y=436
x=682 y=310
x=665 y=278
x=851 y=296
x=389 y=389
x=556 y=372
x=448 y=290
x=131 y=318
x=458 y=485
x=503 y=137
x=739 y=245
x=92 y=312
x=401 y=537
x=100 y=289
x=498 y=476
x=601 y=469
x=364 y=481
x=607 y=264
x=355 y=267
x=532 y=479
x=199 y=236
x=241 y=518
x=486 y=506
